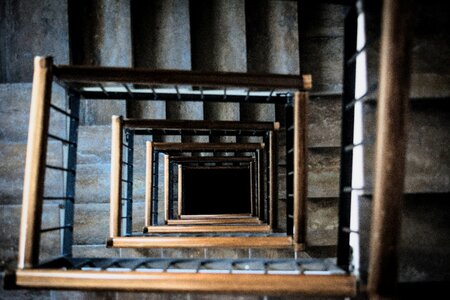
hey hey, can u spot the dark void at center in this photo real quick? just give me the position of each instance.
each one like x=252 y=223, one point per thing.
x=216 y=191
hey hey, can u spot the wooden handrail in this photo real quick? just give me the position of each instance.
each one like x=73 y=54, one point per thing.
x=200 y=242
x=180 y=191
x=390 y=153
x=148 y=184
x=273 y=179
x=166 y=188
x=211 y=159
x=217 y=167
x=116 y=177
x=261 y=284
x=252 y=189
x=216 y=216
x=89 y=74
x=214 y=221
x=206 y=228
x=200 y=125
x=203 y=147
x=182 y=168
x=300 y=167
x=33 y=186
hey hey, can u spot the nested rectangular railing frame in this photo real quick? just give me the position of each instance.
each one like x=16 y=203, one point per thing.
x=170 y=127
x=168 y=200
x=228 y=147
x=198 y=147
x=214 y=225
x=30 y=274
x=194 y=127
x=182 y=161
x=197 y=241
x=224 y=125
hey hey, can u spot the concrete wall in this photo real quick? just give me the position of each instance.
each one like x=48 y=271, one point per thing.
x=321 y=53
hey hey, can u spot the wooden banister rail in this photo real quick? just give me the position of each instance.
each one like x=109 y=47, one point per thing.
x=148 y=215
x=182 y=168
x=300 y=168
x=205 y=147
x=180 y=191
x=199 y=125
x=116 y=177
x=273 y=178
x=164 y=147
x=218 y=216
x=166 y=188
x=200 y=242
x=252 y=188
x=210 y=159
x=390 y=150
x=206 y=228
x=260 y=284
x=214 y=221
x=33 y=187
x=88 y=74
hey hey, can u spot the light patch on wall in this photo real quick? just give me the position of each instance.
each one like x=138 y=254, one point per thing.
x=358 y=140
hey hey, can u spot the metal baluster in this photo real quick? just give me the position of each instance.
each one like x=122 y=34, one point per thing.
x=69 y=203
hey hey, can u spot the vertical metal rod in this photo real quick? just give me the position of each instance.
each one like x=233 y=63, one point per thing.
x=273 y=178
x=300 y=165
x=116 y=177
x=390 y=152
x=129 y=201
x=148 y=216
x=69 y=205
x=33 y=187
x=180 y=189
x=166 y=187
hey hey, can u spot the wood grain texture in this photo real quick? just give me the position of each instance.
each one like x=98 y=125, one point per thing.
x=300 y=167
x=116 y=177
x=180 y=191
x=206 y=228
x=166 y=188
x=219 y=216
x=273 y=179
x=161 y=146
x=199 y=125
x=390 y=153
x=252 y=189
x=200 y=242
x=148 y=215
x=214 y=221
x=211 y=159
x=90 y=74
x=309 y=285
x=33 y=186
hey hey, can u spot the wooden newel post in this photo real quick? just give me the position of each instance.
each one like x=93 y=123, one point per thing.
x=273 y=178
x=166 y=188
x=116 y=178
x=180 y=190
x=149 y=185
x=300 y=168
x=33 y=188
x=390 y=148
